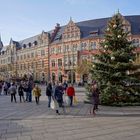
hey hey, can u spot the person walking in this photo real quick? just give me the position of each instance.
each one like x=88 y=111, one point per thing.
x=54 y=85
x=37 y=93
x=29 y=90
x=5 y=88
x=21 y=93
x=12 y=91
x=70 y=93
x=49 y=93
x=59 y=91
x=94 y=98
x=25 y=86
x=0 y=87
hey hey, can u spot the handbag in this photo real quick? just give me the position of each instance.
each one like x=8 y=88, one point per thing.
x=52 y=104
x=75 y=101
x=67 y=100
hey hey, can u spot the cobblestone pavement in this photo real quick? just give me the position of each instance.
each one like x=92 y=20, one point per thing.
x=28 y=121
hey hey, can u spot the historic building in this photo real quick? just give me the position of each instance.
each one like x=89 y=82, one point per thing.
x=56 y=54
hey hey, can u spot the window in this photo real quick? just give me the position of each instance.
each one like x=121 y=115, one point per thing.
x=32 y=65
x=24 y=56
x=59 y=62
x=72 y=35
x=53 y=63
x=59 y=49
x=29 y=44
x=28 y=65
x=35 y=43
x=75 y=47
x=21 y=57
x=36 y=64
x=17 y=57
x=65 y=61
x=24 y=46
x=21 y=66
x=28 y=55
x=42 y=52
x=83 y=45
x=67 y=48
x=32 y=54
x=24 y=66
x=76 y=34
x=42 y=63
x=94 y=45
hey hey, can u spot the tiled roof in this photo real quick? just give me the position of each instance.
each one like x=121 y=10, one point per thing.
x=90 y=25
x=86 y=27
x=1 y=44
x=28 y=40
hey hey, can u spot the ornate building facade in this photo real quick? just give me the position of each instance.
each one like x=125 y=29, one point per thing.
x=55 y=55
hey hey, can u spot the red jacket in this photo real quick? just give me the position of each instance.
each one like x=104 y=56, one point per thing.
x=70 y=91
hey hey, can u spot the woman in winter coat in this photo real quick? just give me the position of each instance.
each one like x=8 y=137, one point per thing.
x=70 y=93
x=37 y=93
x=21 y=93
x=94 y=98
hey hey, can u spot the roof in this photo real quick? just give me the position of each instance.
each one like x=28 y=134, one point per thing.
x=86 y=27
x=29 y=40
x=1 y=44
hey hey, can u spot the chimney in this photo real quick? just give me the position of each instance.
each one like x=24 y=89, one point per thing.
x=57 y=27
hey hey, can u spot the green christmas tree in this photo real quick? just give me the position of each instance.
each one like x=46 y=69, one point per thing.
x=114 y=68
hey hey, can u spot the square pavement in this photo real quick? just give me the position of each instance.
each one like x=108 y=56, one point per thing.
x=28 y=121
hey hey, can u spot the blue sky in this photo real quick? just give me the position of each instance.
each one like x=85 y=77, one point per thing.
x=21 y=19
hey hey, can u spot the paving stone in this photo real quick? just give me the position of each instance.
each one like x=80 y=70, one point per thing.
x=27 y=121
x=24 y=138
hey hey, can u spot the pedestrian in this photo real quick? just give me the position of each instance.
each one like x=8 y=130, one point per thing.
x=29 y=90
x=12 y=91
x=21 y=92
x=37 y=93
x=70 y=93
x=49 y=93
x=59 y=91
x=54 y=85
x=94 y=98
x=5 y=88
x=26 y=91
x=0 y=87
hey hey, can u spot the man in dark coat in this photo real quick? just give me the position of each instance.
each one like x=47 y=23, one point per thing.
x=49 y=93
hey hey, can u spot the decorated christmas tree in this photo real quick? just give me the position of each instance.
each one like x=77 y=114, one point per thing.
x=114 y=68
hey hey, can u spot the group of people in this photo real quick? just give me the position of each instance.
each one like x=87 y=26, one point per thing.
x=7 y=88
x=54 y=92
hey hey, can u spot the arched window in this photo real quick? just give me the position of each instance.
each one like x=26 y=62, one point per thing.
x=60 y=78
x=53 y=76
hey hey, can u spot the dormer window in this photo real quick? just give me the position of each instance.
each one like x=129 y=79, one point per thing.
x=35 y=43
x=30 y=44
x=24 y=46
x=94 y=32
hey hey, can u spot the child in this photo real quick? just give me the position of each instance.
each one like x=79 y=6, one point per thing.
x=37 y=93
